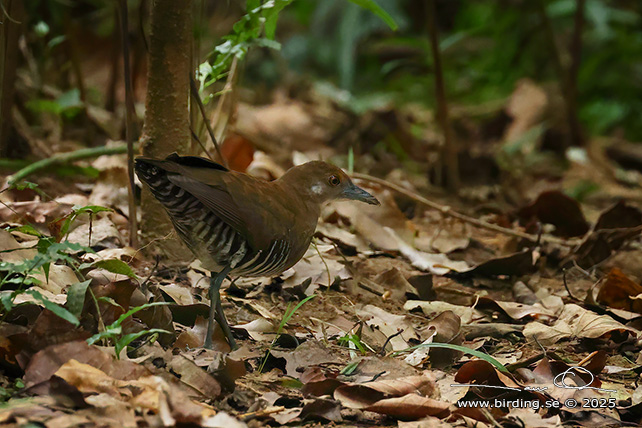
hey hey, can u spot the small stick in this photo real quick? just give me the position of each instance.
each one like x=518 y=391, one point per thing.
x=568 y=290
x=260 y=413
x=388 y=339
x=447 y=211
x=210 y=131
x=64 y=158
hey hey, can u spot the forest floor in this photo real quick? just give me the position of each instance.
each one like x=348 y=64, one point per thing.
x=392 y=318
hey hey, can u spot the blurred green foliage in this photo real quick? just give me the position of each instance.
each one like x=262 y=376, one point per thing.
x=486 y=47
x=353 y=54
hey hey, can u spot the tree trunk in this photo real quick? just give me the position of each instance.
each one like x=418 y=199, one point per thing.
x=166 y=128
x=9 y=35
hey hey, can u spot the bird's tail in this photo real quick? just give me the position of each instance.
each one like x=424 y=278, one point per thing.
x=150 y=171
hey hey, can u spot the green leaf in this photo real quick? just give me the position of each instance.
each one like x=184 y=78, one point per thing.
x=289 y=314
x=24 y=185
x=76 y=297
x=69 y=99
x=53 y=307
x=373 y=7
x=28 y=229
x=110 y=332
x=350 y=368
x=45 y=268
x=272 y=15
x=6 y=298
x=110 y=301
x=44 y=106
x=290 y=382
x=92 y=209
x=113 y=266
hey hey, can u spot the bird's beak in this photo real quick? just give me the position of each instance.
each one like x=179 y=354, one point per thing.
x=358 y=194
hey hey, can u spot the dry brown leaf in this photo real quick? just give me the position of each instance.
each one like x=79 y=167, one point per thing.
x=554 y=207
x=370 y=222
x=410 y=406
x=444 y=328
x=516 y=311
x=389 y=325
x=181 y=294
x=321 y=409
x=223 y=420
x=577 y=322
x=194 y=376
x=257 y=329
x=467 y=314
x=8 y=243
x=318 y=381
x=307 y=354
x=364 y=395
x=110 y=190
x=620 y=292
x=438 y=264
x=343 y=238
x=46 y=362
x=90 y=380
x=320 y=269
x=195 y=337
x=104 y=232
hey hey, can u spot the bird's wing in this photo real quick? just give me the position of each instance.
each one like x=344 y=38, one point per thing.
x=215 y=198
x=232 y=197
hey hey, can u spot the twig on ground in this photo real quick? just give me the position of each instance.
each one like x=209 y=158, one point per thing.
x=388 y=339
x=568 y=290
x=63 y=158
x=447 y=211
x=260 y=413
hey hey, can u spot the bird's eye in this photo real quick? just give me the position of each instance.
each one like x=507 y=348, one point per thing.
x=334 y=180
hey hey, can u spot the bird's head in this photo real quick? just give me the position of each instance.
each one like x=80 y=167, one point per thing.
x=322 y=182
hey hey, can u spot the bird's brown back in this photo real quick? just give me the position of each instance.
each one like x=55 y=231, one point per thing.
x=226 y=217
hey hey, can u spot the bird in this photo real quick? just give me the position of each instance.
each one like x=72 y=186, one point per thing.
x=238 y=225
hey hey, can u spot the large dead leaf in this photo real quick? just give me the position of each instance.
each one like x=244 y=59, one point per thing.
x=99 y=232
x=467 y=314
x=194 y=376
x=516 y=311
x=373 y=223
x=410 y=406
x=307 y=354
x=444 y=328
x=150 y=393
x=319 y=266
x=438 y=264
x=620 y=292
x=577 y=322
x=388 y=324
x=360 y=396
x=554 y=207
x=405 y=398
x=46 y=362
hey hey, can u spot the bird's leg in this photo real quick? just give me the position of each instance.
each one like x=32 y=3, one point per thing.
x=216 y=310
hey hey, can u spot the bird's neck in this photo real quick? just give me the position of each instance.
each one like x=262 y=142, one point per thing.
x=302 y=199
